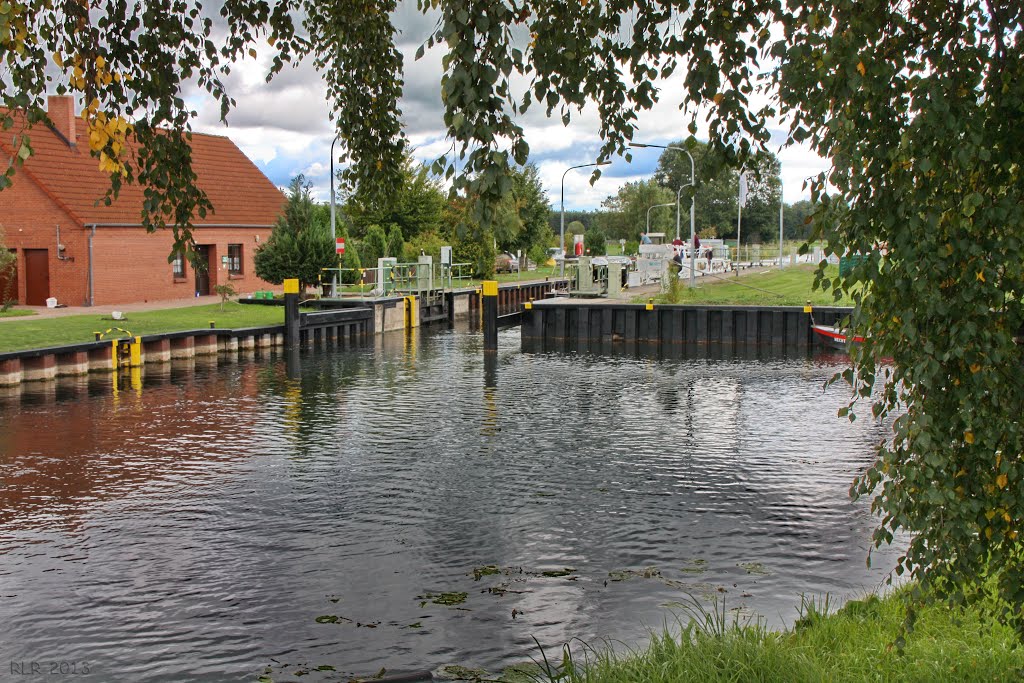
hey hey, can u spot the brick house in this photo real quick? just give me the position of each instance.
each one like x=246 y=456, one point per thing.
x=84 y=253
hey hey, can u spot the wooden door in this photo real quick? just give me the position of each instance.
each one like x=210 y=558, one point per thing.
x=202 y=269
x=9 y=282
x=37 y=277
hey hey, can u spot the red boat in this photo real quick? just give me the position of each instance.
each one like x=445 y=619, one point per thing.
x=835 y=336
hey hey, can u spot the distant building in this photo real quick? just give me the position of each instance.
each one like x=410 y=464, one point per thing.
x=81 y=252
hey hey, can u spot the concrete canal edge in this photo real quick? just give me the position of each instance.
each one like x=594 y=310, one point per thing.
x=586 y=323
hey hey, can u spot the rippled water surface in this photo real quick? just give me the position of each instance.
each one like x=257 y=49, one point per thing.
x=196 y=529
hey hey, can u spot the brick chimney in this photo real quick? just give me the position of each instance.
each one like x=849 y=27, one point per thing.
x=61 y=110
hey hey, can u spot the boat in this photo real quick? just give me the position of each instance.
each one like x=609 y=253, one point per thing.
x=835 y=336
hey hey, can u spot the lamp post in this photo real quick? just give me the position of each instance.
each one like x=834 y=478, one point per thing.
x=561 y=229
x=693 y=180
x=334 y=277
x=781 y=205
x=675 y=204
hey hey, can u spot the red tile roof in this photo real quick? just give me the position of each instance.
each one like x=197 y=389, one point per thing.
x=238 y=190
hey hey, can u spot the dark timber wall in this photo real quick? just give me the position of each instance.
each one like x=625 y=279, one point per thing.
x=581 y=323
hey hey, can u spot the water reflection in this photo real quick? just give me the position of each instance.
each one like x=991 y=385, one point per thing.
x=198 y=529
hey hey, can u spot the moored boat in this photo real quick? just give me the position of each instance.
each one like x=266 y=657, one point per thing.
x=835 y=336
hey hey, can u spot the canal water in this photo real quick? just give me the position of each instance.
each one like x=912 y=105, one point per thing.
x=410 y=506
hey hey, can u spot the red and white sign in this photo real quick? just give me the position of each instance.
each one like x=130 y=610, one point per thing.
x=339 y=245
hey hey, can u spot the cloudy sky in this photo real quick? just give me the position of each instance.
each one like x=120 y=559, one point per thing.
x=284 y=126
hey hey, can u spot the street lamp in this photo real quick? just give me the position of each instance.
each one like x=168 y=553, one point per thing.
x=334 y=277
x=693 y=228
x=561 y=229
x=781 y=205
x=675 y=204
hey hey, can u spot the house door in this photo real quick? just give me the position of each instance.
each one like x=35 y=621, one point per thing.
x=202 y=269
x=9 y=282
x=37 y=277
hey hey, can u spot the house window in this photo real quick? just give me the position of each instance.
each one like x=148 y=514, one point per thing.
x=178 y=266
x=234 y=259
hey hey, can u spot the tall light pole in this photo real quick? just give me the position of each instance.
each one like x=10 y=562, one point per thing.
x=781 y=204
x=334 y=277
x=561 y=229
x=675 y=204
x=693 y=224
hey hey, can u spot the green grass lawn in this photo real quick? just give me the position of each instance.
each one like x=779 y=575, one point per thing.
x=790 y=286
x=16 y=313
x=42 y=332
x=852 y=645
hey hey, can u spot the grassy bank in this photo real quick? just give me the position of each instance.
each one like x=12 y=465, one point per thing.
x=792 y=286
x=37 y=332
x=15 y=313
x=856 y=643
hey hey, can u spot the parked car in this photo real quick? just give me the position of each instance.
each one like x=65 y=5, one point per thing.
x=506 y=263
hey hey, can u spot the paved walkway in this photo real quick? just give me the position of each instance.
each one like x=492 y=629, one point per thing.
x=44 y=312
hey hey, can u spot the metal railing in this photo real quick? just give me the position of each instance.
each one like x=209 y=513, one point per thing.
x=397 y=279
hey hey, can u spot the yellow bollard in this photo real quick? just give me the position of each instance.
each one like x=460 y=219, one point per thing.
x=136 y=353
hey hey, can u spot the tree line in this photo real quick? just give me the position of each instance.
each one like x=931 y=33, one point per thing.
x=418 y=217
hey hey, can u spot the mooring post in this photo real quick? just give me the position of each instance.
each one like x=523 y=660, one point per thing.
x=490 y=310
x=291 y=314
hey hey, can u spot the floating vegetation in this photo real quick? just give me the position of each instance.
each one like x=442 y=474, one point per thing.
x=705 y=590
x=455 y=672
x=696 y=566
x=502 y=589
x=556 y=573
x=334 y=598
x=527 y=672
x=626 y=574
x=372 y=624
x=416 y=625
x=755 y=568
x=486 y=570
x=447 y=599
x=330 y=619
x=494 y=570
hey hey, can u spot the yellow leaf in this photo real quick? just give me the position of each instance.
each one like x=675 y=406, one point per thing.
x=975 y=367
x=58 y=60
x=860 y=68
x=949 y=250
x=100 y=62
x=1012 y=535
x=718 y=98
x=1002 y=480
x=969 y=436
x=990 y=514
x=1007 y=518
x=962 y=472
x=980 y=275
x=988 y=532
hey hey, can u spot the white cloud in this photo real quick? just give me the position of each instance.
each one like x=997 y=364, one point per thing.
x=285 y=126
